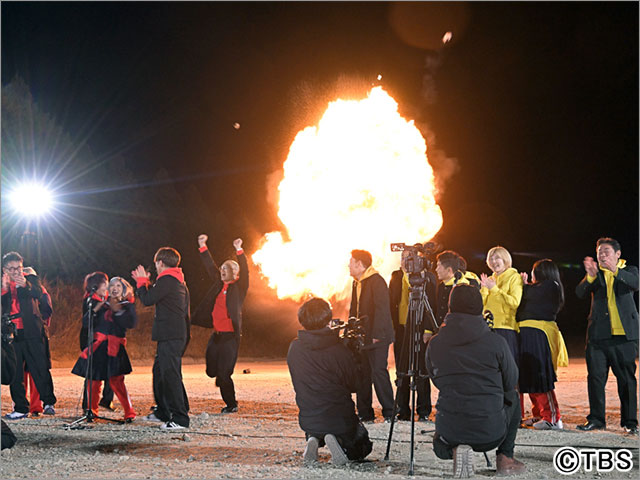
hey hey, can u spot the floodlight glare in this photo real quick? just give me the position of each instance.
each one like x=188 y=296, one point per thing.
x=31 y=199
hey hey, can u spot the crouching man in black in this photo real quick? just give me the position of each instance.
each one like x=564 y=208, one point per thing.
x=324 y=374
x=476 y=375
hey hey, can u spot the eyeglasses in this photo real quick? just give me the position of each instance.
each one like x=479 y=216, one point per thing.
x=14 y=269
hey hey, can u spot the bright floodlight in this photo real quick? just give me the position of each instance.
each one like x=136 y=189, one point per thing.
x=31 y=199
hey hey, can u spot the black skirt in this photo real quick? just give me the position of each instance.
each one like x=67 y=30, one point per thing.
x=104 y=366
x=536 y=367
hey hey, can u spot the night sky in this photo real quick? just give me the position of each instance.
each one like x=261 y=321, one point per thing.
x=536 y=103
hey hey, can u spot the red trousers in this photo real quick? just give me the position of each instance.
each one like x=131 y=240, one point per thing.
x=543 y=405
x=118 y=387
x=35 y=404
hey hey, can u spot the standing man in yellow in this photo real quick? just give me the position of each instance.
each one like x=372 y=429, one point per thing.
x=612 y=334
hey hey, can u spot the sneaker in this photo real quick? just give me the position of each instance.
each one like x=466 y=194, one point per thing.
x=311 y=451
x=529 y=422
x=152 y=418
x=35 y=414
x=632 y=430
x=424 y=418
x=462 y=461
x=387 y=419
x=16 y=415
x=508 y=466
x=171 y=426
x=338 y=457
x=403 y=417
x=49 y=410
x=545 y=425
x=229 y=409
x=129 y=420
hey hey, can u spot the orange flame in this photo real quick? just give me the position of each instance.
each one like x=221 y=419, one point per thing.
x=359 y=180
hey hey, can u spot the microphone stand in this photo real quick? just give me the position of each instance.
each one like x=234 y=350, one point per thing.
x=89 y=416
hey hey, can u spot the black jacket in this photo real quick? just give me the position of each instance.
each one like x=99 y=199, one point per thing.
x=374 y=309
x=31 y=300
x=624 y=284
x=236 y=293
x=472 y=367
x=540 y=301
x=324 y=374
x=395 y=295
x=171 y=298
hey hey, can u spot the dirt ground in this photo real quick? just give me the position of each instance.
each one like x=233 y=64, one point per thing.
x=263 y=439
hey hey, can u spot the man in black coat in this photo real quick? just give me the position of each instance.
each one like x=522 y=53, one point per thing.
x=370 y=302
x=476 y=375
x=22 y=298
x=612 y=333
x=324 y=374
x=399 y=290
x=222 y=311
x=171 y=329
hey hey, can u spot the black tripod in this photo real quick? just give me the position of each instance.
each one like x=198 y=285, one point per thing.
x=89 y=416
x=418 y=303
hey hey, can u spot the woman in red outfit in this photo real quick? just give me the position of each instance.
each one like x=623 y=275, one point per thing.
x=111 y=319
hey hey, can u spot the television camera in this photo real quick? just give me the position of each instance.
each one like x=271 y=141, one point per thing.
x=352 y=332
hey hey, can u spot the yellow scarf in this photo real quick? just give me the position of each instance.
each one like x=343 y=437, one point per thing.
x=614 y=315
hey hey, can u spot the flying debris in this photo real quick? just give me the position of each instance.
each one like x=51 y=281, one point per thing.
x=236 y=126
x=446 y=38
x=379 y=77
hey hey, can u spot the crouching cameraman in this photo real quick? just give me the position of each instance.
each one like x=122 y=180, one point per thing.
x=476 y=375
x=324 y=374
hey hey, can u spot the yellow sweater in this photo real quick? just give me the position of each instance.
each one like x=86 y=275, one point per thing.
x=503 y=299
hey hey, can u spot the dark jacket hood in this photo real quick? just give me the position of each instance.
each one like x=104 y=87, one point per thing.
x=318 y=339
x=463 y=328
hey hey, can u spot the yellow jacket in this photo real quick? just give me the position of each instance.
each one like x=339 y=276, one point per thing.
x=503 y=299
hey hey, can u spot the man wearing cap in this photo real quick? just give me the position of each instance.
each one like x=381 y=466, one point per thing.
x=476 y=376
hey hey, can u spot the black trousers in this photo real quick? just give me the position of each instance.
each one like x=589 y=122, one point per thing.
x=402 y=349
x=221 y=357
x=170 y=395
x=31 y=354
x=443 y=447
x=356 y=443
x=374 y=370
x=8 y=438
x=619 y=354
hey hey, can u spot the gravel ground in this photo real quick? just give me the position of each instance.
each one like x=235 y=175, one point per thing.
x=263 y=439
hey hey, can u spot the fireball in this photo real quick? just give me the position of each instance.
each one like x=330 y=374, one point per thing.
x=360 y=179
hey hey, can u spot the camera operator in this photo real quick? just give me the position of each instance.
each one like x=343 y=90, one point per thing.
x=8 y=439
x=324 y=375
x=476 y=375
x=399 y=289
x=22 y=298
x=370 y=301
x=448 y=264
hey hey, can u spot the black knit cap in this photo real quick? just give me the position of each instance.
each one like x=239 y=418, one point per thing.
x=465 y=299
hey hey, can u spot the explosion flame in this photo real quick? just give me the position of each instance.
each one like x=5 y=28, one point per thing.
x=359 y=180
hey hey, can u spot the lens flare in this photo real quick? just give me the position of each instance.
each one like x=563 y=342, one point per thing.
x=31 y=199
x=360 y=179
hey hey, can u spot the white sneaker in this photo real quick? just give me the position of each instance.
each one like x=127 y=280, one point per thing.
x=338 y=457
x=16 y=415
x=545 y=425
x=462 y=461
x=171 y=426
x=152 y=418
x=311 y=451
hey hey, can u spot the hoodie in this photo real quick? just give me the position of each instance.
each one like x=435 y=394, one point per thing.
x=472 y=367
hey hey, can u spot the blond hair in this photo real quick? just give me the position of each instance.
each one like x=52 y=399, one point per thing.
x=502 y=253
